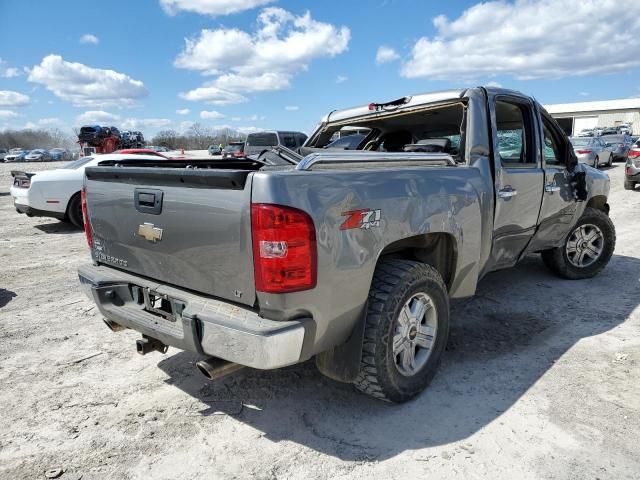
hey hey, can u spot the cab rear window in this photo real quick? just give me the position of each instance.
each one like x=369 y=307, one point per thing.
x=262 y=139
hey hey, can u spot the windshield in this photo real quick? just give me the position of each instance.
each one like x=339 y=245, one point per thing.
x=233 y=148
x=37 y=151
x=78 y=163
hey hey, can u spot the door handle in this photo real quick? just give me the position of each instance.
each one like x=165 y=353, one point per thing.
x=551 y=187
x=507 y=192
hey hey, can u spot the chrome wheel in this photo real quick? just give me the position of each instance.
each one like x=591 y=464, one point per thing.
x=415 y=333
x=585 y=245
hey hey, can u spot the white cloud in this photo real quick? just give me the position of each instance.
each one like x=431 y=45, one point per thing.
x=89 y=38
x=142 y=123
x=9 y=98
x=49 y=121
x=494 y=84
x=92 y=117
x=386 y=54
x=502 y=38
x=211 y=7
x=213 y=95
x=183 y=111
x=8 y=72
x=341 y=78
x=266 y=60
x=85 y=86
x=292 y=108
x=4 y=114
x=584 y=94
x=211 y=115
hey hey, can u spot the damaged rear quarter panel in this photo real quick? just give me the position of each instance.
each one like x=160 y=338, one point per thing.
x=412 y=201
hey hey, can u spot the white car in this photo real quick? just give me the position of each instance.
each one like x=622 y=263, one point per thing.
x=56 y=193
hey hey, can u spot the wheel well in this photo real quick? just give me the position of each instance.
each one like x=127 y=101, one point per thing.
x=599 y=202
x=435 y=249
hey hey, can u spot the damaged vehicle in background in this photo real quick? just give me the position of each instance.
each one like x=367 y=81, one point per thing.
x=632 y=167
x=348 y=256
x=619 y=145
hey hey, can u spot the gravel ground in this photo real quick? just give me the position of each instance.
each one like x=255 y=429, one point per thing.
x=540 y=380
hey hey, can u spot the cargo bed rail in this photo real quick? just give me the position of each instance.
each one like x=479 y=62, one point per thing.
x=333 y=159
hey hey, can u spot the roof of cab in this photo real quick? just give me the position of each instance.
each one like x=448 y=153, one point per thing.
x=414 y=100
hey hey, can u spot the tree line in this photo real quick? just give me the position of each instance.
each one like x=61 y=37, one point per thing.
x=38 y=138
x=196 y=137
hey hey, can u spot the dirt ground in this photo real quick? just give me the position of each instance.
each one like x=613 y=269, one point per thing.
x=541 y=379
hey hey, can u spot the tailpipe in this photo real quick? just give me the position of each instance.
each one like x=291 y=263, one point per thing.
x=214 y=368
x=113 y=326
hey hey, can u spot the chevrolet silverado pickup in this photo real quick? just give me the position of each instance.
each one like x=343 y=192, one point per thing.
x=350 y=257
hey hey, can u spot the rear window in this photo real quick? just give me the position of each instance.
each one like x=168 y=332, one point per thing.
x=262 y=139
x=580 y=142
x=288 y=140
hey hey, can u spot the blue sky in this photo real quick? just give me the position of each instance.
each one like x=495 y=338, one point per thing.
x=252 y=64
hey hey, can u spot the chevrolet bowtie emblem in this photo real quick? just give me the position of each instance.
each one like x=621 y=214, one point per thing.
x=149 y=232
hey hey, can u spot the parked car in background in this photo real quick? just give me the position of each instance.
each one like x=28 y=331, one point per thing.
x=592 y=151
x=38 y=155
x=609 y=131
x=619 y=144
x=349 y=142
x=157 y=148
x=3 y=153
x=624 y=129
x=214 y=150
x=632 y=167
x=16 y=155
x=56 y=193
x=586 y=132
x=260 y=141
x=233 y=149
x=60 y=154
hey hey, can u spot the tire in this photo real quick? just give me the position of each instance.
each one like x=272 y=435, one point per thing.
x=596 y=163
x=397 y=283
x=74 y=211
x=565 y=263
x=629 y=185
x=610 y=164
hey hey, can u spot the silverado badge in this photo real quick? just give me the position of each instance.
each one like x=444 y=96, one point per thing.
x=149 y=232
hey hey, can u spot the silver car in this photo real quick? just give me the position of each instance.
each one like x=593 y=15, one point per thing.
x=592 y=151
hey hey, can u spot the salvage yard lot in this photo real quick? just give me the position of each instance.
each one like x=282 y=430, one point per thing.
x=541 y=379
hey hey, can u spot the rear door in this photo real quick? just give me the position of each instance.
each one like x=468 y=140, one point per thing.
x=519 y=178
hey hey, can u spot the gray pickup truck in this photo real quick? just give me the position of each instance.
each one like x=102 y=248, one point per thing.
x=348 y=256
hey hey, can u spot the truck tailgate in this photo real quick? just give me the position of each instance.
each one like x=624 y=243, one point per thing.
x=188 y=227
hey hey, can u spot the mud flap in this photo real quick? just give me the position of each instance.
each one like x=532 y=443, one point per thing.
x=342 y=362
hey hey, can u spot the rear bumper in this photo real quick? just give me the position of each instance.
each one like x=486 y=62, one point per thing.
x=201 y=324
x=23 y=204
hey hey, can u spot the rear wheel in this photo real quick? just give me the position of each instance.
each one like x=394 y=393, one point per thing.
x=74 y=211
x=587 y=249
x=596 y=162
x=610 y=164
x=406 y=330
x=629 y=185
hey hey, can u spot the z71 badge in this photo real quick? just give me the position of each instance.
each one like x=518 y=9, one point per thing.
x=365 y=219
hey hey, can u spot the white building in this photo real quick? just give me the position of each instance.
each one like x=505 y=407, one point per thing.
x=574 y=117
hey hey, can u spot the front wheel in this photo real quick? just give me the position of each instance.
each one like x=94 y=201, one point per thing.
x=587 y=249
x=406 y=330
x=610 y=164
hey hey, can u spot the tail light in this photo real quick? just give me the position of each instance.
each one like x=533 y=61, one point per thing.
x=634 y=152
x=583 y=152
x=238 y=154
x=627 y=170
x=85 y=216
x=22 y=182
x=284 y=249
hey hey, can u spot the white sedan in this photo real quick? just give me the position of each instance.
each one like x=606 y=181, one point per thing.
x=56 y=193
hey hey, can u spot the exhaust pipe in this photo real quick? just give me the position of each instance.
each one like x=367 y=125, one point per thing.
x=113 y=326
x=214 y=368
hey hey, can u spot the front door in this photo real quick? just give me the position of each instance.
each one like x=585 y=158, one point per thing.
x=519 y=179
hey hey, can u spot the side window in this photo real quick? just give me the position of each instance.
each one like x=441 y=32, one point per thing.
x=301 y=139
x=552 y=150
x=514 y=134
x=289 y=141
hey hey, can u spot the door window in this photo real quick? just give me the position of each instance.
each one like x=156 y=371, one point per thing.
x=551 y=148
x=514 y=134
x=289 y=141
